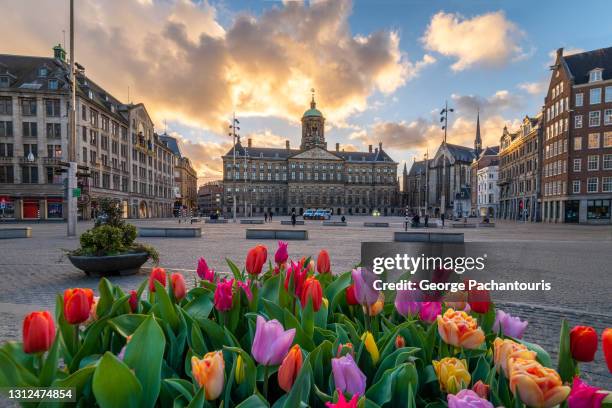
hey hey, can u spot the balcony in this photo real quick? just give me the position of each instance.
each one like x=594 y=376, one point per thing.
x=5 y=159
x=52 y=160
x=26 y=160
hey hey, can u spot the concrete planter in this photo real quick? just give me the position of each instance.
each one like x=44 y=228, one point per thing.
x=124 y=264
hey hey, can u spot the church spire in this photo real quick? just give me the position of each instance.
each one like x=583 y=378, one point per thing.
x=478 y=140
x=313 y=104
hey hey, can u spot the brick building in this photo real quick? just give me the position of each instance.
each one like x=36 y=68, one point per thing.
x=210 y=197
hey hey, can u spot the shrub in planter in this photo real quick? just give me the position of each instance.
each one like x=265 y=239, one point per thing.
x=286 y=336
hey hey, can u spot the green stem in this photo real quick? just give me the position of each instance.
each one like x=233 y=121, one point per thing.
x=76 y=338
x=265 y=386
x=366 y=317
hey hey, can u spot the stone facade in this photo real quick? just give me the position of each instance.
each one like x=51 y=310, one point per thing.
x=288 y=180
x=210 y=198
x=185 y=178
x=484 y=188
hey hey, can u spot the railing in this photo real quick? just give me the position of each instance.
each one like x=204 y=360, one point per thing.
x=51 y=160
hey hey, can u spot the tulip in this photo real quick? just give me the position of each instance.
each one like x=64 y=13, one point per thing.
x=479 y=300
x=365 y=294
x=407 y=304
x=204 y=272
x=209 y=373
x=342 y=402
x=467 y=399
x=504 y=350
x=583 y=343
x=282 y=254
x=537 y=386
x=371 y=346
x=377 y=307
x=178 y=286
x=456 y=300
x=460 y=330
x=429 y=311
x=271 y=342
x=224 y=295
x=133 y=301
x=606 y=341
x=290 y=368
x=246 y=288
x=344 y=349
x=584 y=395
x=240 y=372
x=157 y=274
x=298 y=274
x=310 y=266
x=256 y=258
x=312 y=291
x=93 y=311
x=452 y=374
x=38 y=332
x=481 y=389
x=323 y=263
x=77 y=305
x=347 y=376
x=400 y=341
x=509 y=325
x=351 y=300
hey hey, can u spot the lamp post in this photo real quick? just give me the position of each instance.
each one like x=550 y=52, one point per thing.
x=233 y=128
x=246 y=184
x=72 y=169
x=427 y=181
x=444 y=119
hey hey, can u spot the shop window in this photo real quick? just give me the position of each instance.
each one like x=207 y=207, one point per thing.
x=54 y=208
x=7 y=207
x=598 y=209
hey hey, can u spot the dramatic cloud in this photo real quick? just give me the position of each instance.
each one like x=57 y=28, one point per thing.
x=205 y=156
x=498 y=102
x=534 y=88
x=488 y=39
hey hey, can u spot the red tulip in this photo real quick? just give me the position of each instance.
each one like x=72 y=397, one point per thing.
x=224 y=295
x=583 y=343
x=157 y=274
x=256 y=258
x=312 y=290
x=77 y=305
x=323 y=263
x=299 y=276
x=351 y=299
x=290 y=368
x=606 y=340
x=400 y=341
x=479 y=300
x=178 y=286
x=481 y=389
x=38 y=332
x=133 y=301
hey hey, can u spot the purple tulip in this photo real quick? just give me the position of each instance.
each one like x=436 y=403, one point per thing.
x=364 y=292
x=204 y=272
x=510 y=325
x=347 y=376
x=281 y=255
x=271 y=343
x=406 y=302
x=429 y=311
x=467 y=399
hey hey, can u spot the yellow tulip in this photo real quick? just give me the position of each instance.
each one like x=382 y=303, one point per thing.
x=536 y=385
x=452 y=373
x=209 y=373
x=326 y=302
x=503 y=350
x=240 y=370
x=371 y=346
x=459 y=329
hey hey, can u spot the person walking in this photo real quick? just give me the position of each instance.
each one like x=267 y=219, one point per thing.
x=426 y=220
x=270 y=216
x=442 y=218
x=265 y=217
x=293 y=218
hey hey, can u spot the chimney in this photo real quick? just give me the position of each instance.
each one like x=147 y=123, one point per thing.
x=379 y=145
x=337 y=147
x=559 y=52
x=287 y=145
x=370 y=148
x=250 y=142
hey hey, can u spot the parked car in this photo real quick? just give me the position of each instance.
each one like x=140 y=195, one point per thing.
x=309 y=214
x=322 y=214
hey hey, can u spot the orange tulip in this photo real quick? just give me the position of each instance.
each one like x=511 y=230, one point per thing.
x=400 y=341
x=256 y=258
x=77 y=304
x=323 y=263
x=377 y=307
x=504 y=350
x=157 y=274
x=290 y=368
x=481 y=389
x=209 y=373
x=459 y=329
x=178 y=286
x=38 y=332
x=606 y=340
x=537 y=386
x=312 y=290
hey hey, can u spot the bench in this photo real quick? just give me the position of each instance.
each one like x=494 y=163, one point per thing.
x=376 y=224
x=216 y=221
x=438 y=237
x=288 y=234
x=16 y=232
x=249 y=221
x=334 y=224
x=170 y=232
x=463 y=225
x=486 y=224
x=288 y=222
x=195 y=219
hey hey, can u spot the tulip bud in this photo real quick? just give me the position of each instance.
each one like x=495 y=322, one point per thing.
x=400 y=341
x=256 y=258
x=479 y=300
x=351 y=299
x=606 y=340
x=133 y=301
x=583 y=343
x=312 y=291
x=290 y=368
x=38 y=332
x=481 y=389
x=77 y=305
x=429 y=311
x=240 y=370
x=209 y=373
x=204 y=272
x=377 y=307
x=157 y=274
x=344 y=349
x=323 y=262
x=371 y=346
x=178 y=286
x=452 y=373
x=224 y=295
x=281 y=255
x=298 y=274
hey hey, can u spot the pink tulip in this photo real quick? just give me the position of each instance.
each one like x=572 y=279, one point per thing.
x=364 y=292
x=224 y=295
x=271 y=343
x=429 y=311
x=467 y=399
x=406 y=302
x=347 y=375
x=204 y=272
x=510 y=325
x=281 y=255
x=584 y=396
x=245 y=286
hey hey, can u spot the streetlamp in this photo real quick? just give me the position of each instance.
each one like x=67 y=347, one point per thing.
x=72 y=169
x=444 y=119
x=233 y=128
x=246 y=185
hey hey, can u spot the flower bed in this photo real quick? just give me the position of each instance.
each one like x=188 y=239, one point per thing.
x=292 y=334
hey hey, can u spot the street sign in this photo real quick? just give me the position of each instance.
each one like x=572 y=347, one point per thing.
x=76 y=192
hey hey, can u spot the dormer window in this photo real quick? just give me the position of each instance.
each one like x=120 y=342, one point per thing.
x=43 y=72
x=90 y=94
x=53 y=84
x=595 y=75
x=4 y=81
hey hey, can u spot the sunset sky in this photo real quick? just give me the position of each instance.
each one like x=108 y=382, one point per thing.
x=381 y=69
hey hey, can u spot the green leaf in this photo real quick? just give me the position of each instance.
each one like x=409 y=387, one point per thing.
x=393 y=385
x=91 y=344
x=144 y=353
x=114 y=384
x=127 y=324
x=335 y=290
x=184 y=387
x=166 y=307
x=254 y=401
x=249 y=384
x=106 y=297
x=197 y=340
x=200 y=307
x=567 y=366
x=13 y=374
x=300 y=391
x=49 y=368
x=235 y=271
x=198 y=400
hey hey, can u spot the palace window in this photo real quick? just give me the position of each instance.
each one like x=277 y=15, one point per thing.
x=594 y=118
x=576 y=186
x=592 y=183
x=593 y=163
x=595 y=96
x=579 y=99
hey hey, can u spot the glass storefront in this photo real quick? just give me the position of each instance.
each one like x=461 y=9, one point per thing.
x=55 y=208
x=7 y=207
x=572 y=211
x=598 y=209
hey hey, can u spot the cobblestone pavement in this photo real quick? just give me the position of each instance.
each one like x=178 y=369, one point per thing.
x=575 y=259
